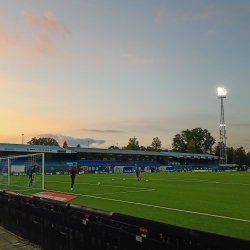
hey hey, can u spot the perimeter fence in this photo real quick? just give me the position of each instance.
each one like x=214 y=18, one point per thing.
x=56 y=225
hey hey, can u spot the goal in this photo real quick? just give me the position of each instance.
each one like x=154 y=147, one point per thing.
x=15 y=172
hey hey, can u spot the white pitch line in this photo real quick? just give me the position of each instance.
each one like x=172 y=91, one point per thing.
x=147 y=190
x=202 y=181
x=148 y=205
x=28 y=188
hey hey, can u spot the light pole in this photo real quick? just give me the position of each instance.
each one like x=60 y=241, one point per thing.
x=223 y=146
x=22 y=138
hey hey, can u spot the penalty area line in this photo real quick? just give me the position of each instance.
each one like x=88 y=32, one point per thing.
x=154 y=206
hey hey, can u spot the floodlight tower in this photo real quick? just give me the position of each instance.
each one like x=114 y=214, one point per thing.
x=223 y=147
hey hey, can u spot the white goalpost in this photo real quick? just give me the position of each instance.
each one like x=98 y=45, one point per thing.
x=18 y=173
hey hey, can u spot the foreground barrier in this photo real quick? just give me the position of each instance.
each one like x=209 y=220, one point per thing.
x=61 y=226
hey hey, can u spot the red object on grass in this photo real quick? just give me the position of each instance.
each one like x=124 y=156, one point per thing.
x=55 y=196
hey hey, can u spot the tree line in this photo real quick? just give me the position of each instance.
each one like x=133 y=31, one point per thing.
x=196 y=140
x=133 y=144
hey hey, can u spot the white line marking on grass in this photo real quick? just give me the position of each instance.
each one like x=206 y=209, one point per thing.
x=28 y=188
x=203 y=181
x=147 y=190
x=148 y=205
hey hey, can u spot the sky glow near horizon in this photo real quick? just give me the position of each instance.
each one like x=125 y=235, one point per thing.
x=105 y=71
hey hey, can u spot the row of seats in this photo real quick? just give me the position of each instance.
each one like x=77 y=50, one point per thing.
x=51 y=162
x=117 y=163
x=24 y=162
x=67 y=160
x=146 y=163
x=194 y=164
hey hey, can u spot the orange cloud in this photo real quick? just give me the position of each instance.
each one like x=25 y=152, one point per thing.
x=49 y=22
x=46 y=21
x=17 y=47
x=30 y=19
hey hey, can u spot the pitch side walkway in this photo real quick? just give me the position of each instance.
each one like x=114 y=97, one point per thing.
x=9 y=241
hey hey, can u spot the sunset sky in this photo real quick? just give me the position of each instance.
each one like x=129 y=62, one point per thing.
x=106 y=71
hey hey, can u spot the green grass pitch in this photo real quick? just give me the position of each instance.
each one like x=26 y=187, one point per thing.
x=212 y=202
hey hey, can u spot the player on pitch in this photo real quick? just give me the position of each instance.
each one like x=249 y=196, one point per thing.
x=72 y=176
x=32 y=174
x=137 y=171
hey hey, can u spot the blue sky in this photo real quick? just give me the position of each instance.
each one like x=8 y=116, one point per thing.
x=110 y=70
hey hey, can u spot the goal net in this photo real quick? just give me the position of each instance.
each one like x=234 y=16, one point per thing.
x=22 y=172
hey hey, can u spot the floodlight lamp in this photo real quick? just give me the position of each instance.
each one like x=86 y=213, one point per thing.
x=221 y=92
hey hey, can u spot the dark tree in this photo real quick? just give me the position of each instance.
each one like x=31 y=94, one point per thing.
x=216 y=150
x=142 y=148
x=191 y=147
x=113 y=147
x=43 y=141
x=201 y=137
x=156 y=145
x=248 y=158
x=240 y=156
x=230 y=155
x=65 y=145
x=133 y=144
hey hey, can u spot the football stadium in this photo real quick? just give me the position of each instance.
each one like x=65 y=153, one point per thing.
x=113 y=132
x=179 y=189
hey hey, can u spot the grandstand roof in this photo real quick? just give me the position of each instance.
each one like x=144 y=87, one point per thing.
x=114 y=151
x=33 y=148
x=188 y=155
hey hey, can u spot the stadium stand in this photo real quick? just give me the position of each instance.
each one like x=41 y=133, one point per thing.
x=60 y=159
x=153 y=163
x=50 y=163
x=86 y=163
x=66 y=160
x=139 y=163
x=117 y=163
x=19 y=162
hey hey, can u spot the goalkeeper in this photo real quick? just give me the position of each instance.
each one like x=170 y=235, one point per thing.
x=72 y=176
x=32 y=174
x=137 y=171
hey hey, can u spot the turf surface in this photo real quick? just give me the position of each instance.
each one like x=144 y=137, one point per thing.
x=212 y=202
